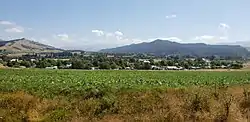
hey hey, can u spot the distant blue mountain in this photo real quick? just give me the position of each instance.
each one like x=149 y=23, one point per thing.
x=165 y=47
x=245 y=44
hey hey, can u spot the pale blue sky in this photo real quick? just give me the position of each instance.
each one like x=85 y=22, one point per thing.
x=97 y=24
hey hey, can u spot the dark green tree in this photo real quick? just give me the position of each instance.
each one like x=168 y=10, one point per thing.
x=113 y=65
x=26 y=64
x=78 y=64
x=236 y=66
x=163 y=63
x=146 y=66
x=104 y=65
x=43 y=64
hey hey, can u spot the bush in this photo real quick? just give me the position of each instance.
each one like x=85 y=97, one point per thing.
x=25 y=63
x=236 y=66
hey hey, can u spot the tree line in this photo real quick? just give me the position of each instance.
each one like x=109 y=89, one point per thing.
x=102 y=62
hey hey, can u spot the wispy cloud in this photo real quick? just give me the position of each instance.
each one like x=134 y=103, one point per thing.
x=12 y=27
x=204 y=37
x=171 y=16
x=118 y=33
x=63 y=37
x=2 y=22
x=15 y=30
x=223 y=38
x=224 y=26
x=109 y=34
x=98 y=32
x=218 y=38
x=209 y=39
x=224 y=29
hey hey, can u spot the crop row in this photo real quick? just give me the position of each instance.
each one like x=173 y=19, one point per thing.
x=75 y=82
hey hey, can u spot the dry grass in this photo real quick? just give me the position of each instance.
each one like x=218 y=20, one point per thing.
x=2 y=66
x=230 y=104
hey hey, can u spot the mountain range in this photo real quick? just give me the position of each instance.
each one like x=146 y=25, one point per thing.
x=245 y=44
x=25 y=46
x=165 y=47
x=157 y=47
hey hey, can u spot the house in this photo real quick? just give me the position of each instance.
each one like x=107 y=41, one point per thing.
x=94 y=68
x=180 y=68
x=12 y=60
x=32 y=60
x=76 y=52
x=190 y=59
x=146 y=61
x=171 y=68
x=22 y=67
x=68 y=65
x=87 y=55
x=142 y=60
x=174 y=68
x=127 y=68
x=156 y=68
x=193 y=67
x=62 y=59
x=53 y=67
x=157 y=60
x=224 y=67
x=206 y=60
x=110 y=56
x=45 y=54
x=128 y=56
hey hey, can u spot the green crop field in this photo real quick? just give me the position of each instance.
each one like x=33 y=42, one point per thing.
x=77 y=95
x=75 y=82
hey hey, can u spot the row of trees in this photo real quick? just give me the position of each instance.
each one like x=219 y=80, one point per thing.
x=102 y=62
x=37 y=64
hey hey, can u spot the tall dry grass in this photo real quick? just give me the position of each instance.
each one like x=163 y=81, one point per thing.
x=227 y=104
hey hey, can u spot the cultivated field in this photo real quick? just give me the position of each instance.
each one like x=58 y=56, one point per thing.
x=75 y=95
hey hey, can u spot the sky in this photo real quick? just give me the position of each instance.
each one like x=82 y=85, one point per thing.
x=97 y=24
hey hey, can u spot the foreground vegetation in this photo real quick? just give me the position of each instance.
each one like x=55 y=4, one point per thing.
x=50 y=83
x=74 y=95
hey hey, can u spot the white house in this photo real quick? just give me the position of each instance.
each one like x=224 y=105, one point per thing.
x=174 y=68
x=76 y=52
x=53 y=67
x=193 y=67
x=142 y=60
x=110 y=56
x=68 y=65
x=12 y=60
x=156 y=68
x=206 y=60
x=127 y=68
x=32 y=60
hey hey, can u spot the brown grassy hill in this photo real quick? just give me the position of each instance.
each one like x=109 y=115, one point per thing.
x=25 y=46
